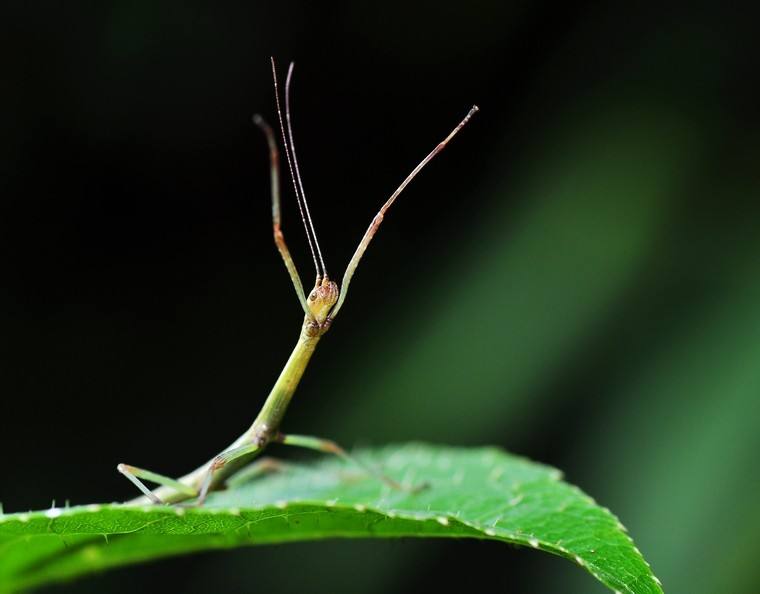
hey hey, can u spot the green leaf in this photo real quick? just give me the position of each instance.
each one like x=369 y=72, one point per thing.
x=478 y=493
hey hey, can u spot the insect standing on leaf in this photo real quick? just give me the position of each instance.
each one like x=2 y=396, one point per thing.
x=320 y=309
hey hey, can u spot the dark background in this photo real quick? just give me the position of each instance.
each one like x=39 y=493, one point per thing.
x=576 y=278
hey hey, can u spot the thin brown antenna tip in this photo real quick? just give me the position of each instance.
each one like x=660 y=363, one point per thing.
x=323 y=273
x=290 y=154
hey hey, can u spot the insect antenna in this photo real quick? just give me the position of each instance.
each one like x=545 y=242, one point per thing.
x=295 y=164
x=292 y=174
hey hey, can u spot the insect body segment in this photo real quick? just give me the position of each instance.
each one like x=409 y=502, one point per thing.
x=320 y=308
x=322 y=299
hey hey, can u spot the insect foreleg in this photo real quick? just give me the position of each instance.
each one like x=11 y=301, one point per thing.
x=279 y=238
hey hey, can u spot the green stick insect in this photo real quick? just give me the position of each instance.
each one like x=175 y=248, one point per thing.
x=320 y=309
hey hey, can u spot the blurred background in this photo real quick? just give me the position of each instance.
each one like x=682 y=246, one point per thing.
x=575 y=279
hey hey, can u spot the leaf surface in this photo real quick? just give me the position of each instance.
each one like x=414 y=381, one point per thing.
x=470 y=492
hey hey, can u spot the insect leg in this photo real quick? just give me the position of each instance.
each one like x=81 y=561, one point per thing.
x=134 y=474
x=255 y=470
x=330 y=447
x=279 y=238
x=375 y=224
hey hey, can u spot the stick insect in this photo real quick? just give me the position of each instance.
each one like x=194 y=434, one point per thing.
x=320 y=309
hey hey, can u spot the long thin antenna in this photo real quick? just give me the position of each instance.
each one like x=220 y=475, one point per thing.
x=295 y=163
x=292 y=174
x=375 y=224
